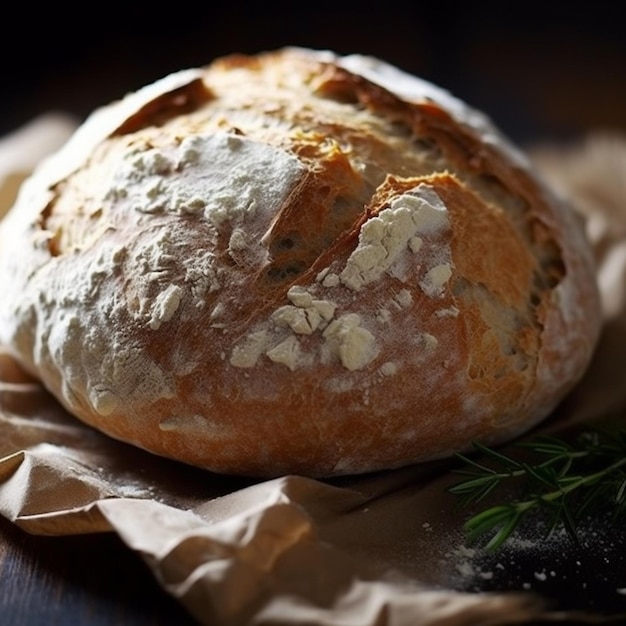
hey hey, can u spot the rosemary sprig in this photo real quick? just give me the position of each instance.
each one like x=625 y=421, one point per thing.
x=565 y=479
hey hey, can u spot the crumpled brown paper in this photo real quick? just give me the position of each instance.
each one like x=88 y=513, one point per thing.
x=379 y=550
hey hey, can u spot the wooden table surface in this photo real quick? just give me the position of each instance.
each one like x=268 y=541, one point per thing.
x=79 y=581
x=95 y=580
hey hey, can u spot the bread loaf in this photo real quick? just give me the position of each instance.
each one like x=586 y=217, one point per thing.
x=297 y=262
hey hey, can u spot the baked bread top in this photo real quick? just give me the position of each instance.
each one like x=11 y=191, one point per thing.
x=297 y=262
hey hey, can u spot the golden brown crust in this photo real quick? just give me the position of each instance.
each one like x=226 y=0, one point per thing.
x=280 y=264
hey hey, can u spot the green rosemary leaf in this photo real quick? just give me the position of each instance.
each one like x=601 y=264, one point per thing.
x=505 y=531
x=473 y=463
x=620 y=494
x=488 y=519
x=547 y=445
x=543 y=474
x=568 y=520
x=474 y=490
x=471 y=485
x=566 y=466
x=506 y=461
x=502 y=519
x=619 y=498
x=567 y=481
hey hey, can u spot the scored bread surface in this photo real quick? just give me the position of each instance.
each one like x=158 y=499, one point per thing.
x=296 y=262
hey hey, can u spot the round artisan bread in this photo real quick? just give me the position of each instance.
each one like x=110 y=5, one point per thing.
x=297 y=262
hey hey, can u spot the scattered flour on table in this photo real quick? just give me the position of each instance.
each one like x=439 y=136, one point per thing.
x=592 y=570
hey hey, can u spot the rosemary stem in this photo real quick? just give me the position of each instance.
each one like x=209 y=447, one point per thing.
x=562 y=491
x=566 y=456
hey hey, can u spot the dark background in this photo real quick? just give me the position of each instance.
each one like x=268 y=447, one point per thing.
x=544 y=71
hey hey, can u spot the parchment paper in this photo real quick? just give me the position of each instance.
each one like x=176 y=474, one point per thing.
x=378 y=550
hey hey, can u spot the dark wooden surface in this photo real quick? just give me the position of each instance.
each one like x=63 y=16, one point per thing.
x=91 y=580
x=94 y=580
